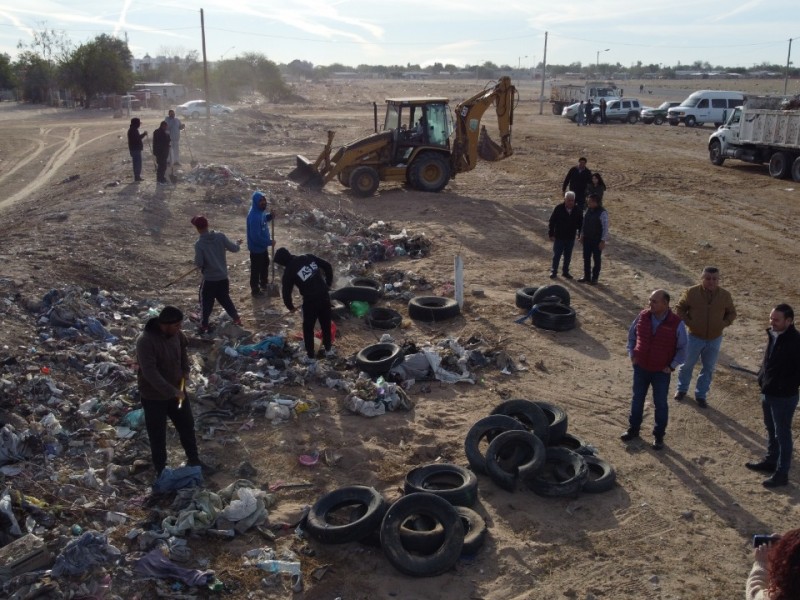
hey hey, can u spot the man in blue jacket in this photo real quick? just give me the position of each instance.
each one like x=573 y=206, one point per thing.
x=258 y=242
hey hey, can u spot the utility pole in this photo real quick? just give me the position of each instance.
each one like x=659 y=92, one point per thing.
x=788 y=62
x=544 y=70
x=205 y=69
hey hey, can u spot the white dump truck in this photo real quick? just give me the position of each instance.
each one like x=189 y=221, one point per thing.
x=565 y=95
x=766 y=129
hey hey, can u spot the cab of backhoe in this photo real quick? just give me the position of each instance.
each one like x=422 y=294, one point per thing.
x=418 y=122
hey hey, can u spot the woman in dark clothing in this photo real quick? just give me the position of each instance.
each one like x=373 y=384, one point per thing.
x=594 y=233
x=135 y=147
x=596 y=187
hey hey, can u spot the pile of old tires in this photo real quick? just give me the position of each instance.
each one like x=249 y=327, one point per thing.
x=422 y=534
x=549 y=306
x=529 y=446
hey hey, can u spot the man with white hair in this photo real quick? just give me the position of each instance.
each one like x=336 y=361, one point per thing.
x=565 y=222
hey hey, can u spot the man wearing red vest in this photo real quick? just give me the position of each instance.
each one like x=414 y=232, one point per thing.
x=657 y=346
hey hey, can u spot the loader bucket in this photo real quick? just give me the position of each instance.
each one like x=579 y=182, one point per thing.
x=487 y=149
x=305 y=173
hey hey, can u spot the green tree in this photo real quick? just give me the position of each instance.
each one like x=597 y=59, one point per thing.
x=39 y=61
x=100 y=66
x=8 y=78
x=33 y=74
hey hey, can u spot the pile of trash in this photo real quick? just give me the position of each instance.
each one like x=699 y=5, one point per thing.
x=217 y=175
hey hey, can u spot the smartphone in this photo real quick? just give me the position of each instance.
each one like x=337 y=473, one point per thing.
x=759 y=540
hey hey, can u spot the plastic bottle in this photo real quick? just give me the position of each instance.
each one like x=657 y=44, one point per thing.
x=280 y=566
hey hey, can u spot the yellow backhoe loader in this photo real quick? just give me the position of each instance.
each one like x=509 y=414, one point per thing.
x=421 y=143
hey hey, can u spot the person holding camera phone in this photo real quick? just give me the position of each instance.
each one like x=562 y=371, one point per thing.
x=776 y=567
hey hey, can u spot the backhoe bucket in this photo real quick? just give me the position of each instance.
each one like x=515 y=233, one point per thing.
x=305 y=173
x=487 y=149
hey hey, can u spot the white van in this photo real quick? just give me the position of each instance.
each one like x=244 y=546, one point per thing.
x=705 y=106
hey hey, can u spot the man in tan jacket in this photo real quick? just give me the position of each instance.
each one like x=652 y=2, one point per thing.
x=706 y=310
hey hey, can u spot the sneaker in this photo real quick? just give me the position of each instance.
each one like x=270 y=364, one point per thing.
x=593 y=282
x=701 y=402
x=764 y=466
x=138 y=179
x=777 y=480
x=658 y=442
x=553 y=275
x=567 y=276
x=630 y=434
x=679 y=395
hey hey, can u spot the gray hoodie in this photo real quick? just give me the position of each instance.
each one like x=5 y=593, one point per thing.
x=209 y=254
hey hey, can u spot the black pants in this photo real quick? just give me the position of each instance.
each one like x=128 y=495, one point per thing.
x=316 y=309
x=219 y=291
x=591 y=250
x=155 y=420
x=259 y=270
x=161 y=168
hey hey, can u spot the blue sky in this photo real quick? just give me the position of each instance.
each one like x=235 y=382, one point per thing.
x=461 y=32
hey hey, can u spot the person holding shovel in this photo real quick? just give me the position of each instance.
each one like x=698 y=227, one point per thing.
x=258 y=242
x=313 y=276
x=161 y=352
x=209 y=256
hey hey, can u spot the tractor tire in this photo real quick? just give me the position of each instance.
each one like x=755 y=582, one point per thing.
x=364 y=181
x=430 y=172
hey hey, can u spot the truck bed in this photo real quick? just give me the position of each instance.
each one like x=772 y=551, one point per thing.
x=771 y=127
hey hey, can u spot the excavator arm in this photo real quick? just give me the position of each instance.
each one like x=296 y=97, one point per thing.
x=471 y=139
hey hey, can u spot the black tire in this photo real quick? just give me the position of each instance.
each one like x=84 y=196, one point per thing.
x=319 y=527
x=633 y=118
x=551 y=293
x=488 y=427
x=364 y=181
x=378 y=359
x=533 y=458
x=529 y=414
x=352 y=293
x=601 y=475
x=373 y=538
x=690 y=121
x=366 y=282
x=779 y=165
x=673 y=123
x=432 y=308
x=524 y=298
x=796 y=169
x=659 y=120
x=383 y=318
x=547 y=482
x=429 y=172
x=557 y=419
x=474 y=530
x=457 y=485
x=344 y=178
x=558 y=109
x=576 y=444
x=428 y=565
x=555 y=317
x=715 y=153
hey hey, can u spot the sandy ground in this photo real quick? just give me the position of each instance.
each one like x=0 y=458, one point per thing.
x=679 y=522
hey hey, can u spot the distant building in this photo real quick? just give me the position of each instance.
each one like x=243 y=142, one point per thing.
x=167 y=91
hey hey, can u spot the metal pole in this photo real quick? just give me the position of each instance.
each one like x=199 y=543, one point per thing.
x=788 y=62
x=205 y=68
x=544 y=70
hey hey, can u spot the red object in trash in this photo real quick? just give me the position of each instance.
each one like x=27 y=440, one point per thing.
x=318 y=332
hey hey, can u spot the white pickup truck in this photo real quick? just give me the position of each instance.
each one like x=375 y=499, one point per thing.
x=766 y=129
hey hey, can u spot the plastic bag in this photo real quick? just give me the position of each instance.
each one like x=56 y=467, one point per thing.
x=359 y=308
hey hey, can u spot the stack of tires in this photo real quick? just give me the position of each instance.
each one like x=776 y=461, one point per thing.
x=549 y=306
x=422 y=534
x=529 y=445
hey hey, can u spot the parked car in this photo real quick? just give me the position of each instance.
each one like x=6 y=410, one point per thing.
x=571 y=112
x=657 y=115
x=622 y=110
x=197 y=108
x=705 y=106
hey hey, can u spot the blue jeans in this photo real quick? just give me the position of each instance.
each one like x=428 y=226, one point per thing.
x=562 y=247
x=705 y=350
x=642 y=380
x=778 y=414
x=136 y=157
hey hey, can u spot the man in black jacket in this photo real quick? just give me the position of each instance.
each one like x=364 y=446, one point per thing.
x=779 y=380
x=578 y=177
x=161 y=151
x=563 y=227
x=135 y=147
x=313 y=276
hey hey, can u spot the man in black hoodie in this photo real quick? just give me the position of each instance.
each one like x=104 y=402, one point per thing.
x=162 y=376
x=565 y=223
x=578 y=177
x=779 y=380
x=135 y=147
x=313 y=276
x=161 y=151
